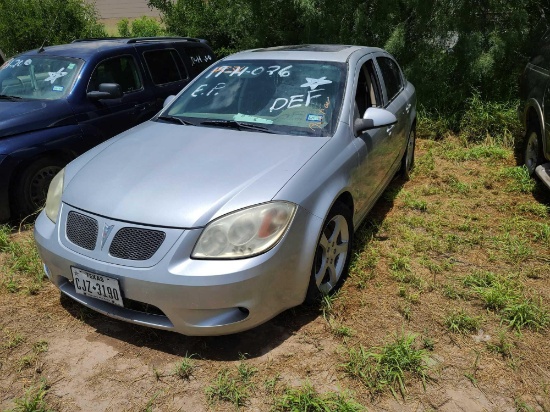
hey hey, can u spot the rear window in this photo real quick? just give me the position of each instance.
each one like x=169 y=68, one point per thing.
x=163 y=67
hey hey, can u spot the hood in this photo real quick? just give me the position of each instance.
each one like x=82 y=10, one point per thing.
x=183 y=176
x=18 y=117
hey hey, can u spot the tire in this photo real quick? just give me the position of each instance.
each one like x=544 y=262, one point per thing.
x=31 y=187
x=332 y=254
x=532 y=149
x=407 y=163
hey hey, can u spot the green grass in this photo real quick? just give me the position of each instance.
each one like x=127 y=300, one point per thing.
x=387 y=366
x=231 y=387
x=462 y=154
x=458 y=321
x=526 y=313
x=307 y=399
x=518 y=179
x=502 y=347
x=185 y=368
x=33 y=400
x=22 y=269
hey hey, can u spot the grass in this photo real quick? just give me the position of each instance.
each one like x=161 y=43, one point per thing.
x=232 y=387
x=387 y=366
x=307 y=399
x=22 y=264
x=458 y=321
x=526 y=313
x=184 y=369
x=33 y=400
x=518 y=179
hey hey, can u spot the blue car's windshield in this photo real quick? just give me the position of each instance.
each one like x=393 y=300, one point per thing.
x=290 y=97
x=38 y=77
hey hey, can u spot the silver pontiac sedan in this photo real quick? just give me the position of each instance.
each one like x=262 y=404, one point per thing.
x=240 y=198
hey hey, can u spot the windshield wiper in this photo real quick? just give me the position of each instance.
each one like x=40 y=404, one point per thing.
x=12 y=98
x=232 y=124
x=175 y=119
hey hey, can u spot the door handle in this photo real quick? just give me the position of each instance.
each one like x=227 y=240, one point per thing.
x=408 y=108
x=389 y=130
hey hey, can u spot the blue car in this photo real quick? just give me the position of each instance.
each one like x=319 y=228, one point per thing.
x=58 y=102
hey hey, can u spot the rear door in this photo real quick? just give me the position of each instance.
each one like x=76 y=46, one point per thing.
x=166 y=71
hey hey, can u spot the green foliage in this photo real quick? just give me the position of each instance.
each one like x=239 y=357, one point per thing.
x=519 y=179
x=26 y=24
x=307 y=399
x=142 y=27
x=526 y=313
x=490 y=121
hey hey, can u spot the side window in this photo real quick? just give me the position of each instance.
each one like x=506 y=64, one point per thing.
x=367 y=93
x=121 y=70
x=200 y=57
x=163 y=67
x=391 y=75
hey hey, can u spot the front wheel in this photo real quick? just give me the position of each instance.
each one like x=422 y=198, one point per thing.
x=31 y=187
x=332 y=254
x=532 y=151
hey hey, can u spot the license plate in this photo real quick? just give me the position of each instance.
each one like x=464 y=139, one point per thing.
x=97 y=286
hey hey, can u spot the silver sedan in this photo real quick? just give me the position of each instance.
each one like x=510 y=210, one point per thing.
x=240 y=198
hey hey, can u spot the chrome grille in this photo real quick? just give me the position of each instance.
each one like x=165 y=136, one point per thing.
x=136 y=244
x=81 y=230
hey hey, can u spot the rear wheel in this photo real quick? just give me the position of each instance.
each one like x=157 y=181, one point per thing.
x=31 y=187
x=407 y=163
x=332 y=254
x=532 y=150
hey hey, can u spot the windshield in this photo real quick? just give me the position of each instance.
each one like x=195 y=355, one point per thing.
x=287 y=97
x=38 y=77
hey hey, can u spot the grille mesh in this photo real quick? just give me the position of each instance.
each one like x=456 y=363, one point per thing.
x=136 y=244
x=81 y=230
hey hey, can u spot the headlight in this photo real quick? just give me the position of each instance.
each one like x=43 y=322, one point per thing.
x=53 y=200
x=248 y=232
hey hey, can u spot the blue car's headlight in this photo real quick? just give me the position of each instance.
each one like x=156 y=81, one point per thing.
x=53 y=200
x=245 y=233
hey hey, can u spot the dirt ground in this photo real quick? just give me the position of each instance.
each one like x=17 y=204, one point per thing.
x=90 y=362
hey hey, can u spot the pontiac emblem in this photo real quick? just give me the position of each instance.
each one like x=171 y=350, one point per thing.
x=106 y=232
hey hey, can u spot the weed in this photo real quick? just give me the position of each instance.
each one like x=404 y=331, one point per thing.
x=327 y=303
x=480 y=278
x=5 y=232
x=519 y=179
x=526 y=313
x=385 y=367
x=406 y=312
x=183 y=369
x=415 y=204
x=542 y=233
x=463 y=154
x=226 y=388
x=513 y=249
x=449 y=291
x=14 y=340
x=428 y=344
x=246 y=372
x=461 y=322
x=498 y=296
x=33 y=400
x=40 y=347
x=502 y=347
x=341 y=331
x=307 y=399
x=26 y=361
x=533 y=208
x=270 y=384
x=455 y=185
x=521 y=406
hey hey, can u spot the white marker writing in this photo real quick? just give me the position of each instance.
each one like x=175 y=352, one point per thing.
x=198 y=89
x=294 y=101
x=217 y=87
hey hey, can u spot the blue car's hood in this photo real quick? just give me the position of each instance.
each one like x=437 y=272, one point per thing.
x=183 y=176
x=23 y=116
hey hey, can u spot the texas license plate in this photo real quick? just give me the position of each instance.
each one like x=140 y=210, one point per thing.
x=97 y=286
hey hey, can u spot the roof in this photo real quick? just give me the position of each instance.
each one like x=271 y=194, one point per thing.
x=317 y=52
x=84 y=48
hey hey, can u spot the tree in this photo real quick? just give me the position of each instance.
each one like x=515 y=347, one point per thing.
x=26 y=24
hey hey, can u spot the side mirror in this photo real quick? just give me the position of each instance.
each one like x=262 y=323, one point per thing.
x=168 y=100
x=106 y=91
x=374 y=118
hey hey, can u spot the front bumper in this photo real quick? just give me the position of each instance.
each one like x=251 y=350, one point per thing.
x=195 y=297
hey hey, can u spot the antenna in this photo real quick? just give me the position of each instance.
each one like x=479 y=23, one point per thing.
x=41 y=49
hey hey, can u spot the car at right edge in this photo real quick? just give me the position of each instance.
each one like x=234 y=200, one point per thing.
x=534 y=112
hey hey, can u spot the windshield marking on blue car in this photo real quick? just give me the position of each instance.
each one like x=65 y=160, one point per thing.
x=53 y=76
